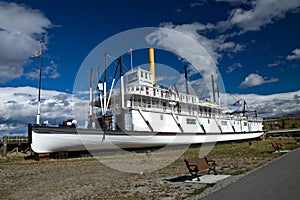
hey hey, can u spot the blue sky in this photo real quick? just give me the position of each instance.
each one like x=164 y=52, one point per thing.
x=76 y=28
x=255 y=44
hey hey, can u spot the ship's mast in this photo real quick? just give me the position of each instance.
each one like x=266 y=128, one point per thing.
x=104 y=84
x=91 y=114
x=244 y=108
x=186 y=80
x=121 y=83
x=100 y=88
x=131 y=63
x=38 y=116
x=213 y=88
x=218 y=95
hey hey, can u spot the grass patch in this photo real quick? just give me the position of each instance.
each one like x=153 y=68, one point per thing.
x=238 y=158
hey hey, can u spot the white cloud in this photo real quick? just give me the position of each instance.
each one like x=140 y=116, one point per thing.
x=192 y=46
x=231 y=47
x=276 y=63
x=50 y=71
x=273 y=105
x=262 y=13
x=21 y=29
x=184 y=41
x=198 y=3
x=18 y=18
x=295 y=55
x=255 y=79
x=233 y=67
x=18 y=107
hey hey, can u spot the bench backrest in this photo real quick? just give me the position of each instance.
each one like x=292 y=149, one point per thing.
x=201 y=163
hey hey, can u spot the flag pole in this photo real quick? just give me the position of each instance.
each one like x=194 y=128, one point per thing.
x=38 y=116
x=131 y=58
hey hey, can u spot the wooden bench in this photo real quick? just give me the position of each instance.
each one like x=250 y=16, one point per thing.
x=197 y=165
x=276 y=146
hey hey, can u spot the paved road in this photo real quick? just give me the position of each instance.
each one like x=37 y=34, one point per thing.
x=278 y=180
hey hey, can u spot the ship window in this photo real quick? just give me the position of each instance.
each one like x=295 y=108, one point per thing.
x=142 y=74
x=190 y=121
x=132 y=77
x=161 y=117
x=245 y=123
x=208 y=121
x=224 y=123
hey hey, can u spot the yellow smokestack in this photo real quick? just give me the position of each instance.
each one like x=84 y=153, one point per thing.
x=151 y=62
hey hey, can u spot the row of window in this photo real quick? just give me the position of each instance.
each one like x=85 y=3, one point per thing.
x=224 y=123
x=193 y=121
x=134 y=76
x=147 y=75
x=190 y=121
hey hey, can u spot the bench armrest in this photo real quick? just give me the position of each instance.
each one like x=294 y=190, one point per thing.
x=210 y=162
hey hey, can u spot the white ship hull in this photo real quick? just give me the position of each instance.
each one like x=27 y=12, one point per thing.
x=53 y=139
x=151 y=115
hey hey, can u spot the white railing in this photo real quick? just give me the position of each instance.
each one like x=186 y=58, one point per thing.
x=161 y=93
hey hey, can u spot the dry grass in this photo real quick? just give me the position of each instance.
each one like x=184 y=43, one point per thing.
x=91 y=178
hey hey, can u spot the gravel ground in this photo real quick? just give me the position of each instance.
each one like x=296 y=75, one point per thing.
x=89 y=178
x=111 y=177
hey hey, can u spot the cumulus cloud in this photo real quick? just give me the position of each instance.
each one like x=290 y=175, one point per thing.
x=295 y=55
x=184 y=41
x=18 y=107
x=273 y=105
x=255 y=79
x=21 y=29
x=189 y=42
x=231 y=47
x=259 y=14
x=262 y=13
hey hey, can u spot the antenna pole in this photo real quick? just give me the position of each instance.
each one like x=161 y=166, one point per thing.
x=218 y=93
x=38 y=116
x=91 y=100
x=104 y=84
x=244 y=108
x=213 y=88
x=121 y=83
x=130 y=50
x=100 y=88
x=186 y=80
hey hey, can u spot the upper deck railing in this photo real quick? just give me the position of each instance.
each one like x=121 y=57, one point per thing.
x=169 y=95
